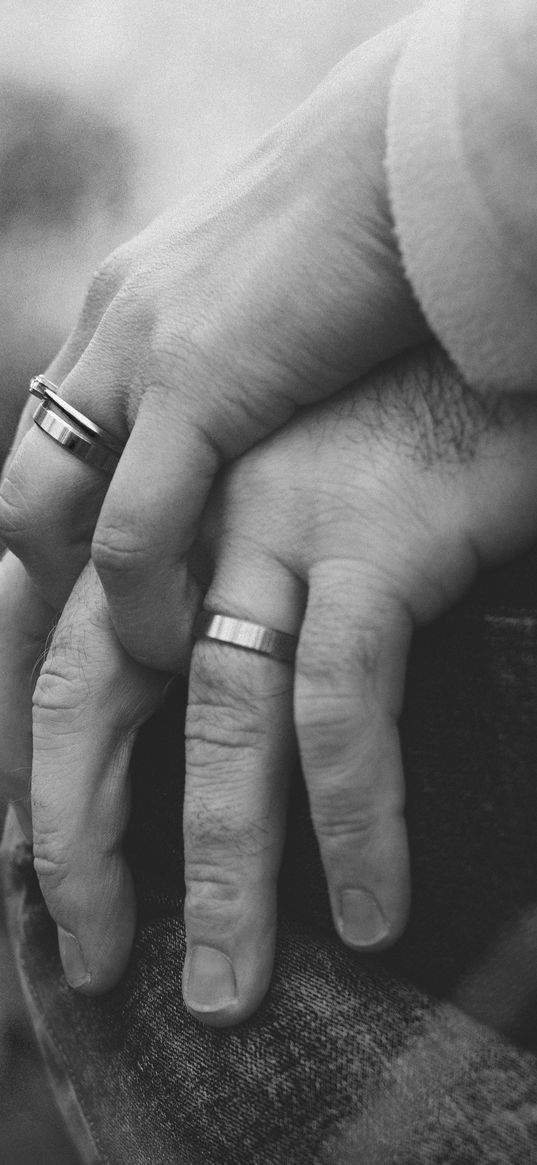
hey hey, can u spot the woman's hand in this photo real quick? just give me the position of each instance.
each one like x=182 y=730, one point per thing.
x=205 y=334
x=362 y=519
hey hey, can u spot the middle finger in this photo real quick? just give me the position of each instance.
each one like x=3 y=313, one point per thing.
x=89 y=700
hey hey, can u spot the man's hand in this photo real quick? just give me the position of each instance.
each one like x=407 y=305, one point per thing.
x=205 y=334
x=365 y=518
x=89 y=699
x=362 y=519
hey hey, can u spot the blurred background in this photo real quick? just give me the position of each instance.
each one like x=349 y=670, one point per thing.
x=109 y=111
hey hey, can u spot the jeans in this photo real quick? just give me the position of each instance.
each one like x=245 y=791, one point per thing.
x=423 y=1054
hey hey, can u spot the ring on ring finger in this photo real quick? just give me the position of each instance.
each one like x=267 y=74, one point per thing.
x=72 y=429
x=243 y=633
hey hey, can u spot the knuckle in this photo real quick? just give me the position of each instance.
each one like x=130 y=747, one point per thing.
x=66 y=893
x=210 y=893
x=324 y=708
x=105 y=284
x=325 y=725
x=187 y=343
x=219 y=837
x=115 y=552
x=213 y=726
x=15 y=524
x=342 y=820
x=240 y=682
x=331 y=649
x=60 y=694
x=51 y=863
x=169 y=353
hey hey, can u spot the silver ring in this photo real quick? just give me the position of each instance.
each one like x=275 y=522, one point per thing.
x=72 y=430
x=242 y=633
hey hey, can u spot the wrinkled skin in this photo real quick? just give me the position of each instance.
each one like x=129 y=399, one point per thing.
x=365 y=517
x=204 y=334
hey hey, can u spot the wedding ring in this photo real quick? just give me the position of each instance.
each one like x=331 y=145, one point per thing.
x=72 y=430
x=250 y=636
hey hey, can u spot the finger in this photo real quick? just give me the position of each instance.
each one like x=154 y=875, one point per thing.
x=89 y=700
x=348 y=693
x=49 y=502
x=239 y=751
x=25 y=621
x=25 y=618
x=139 y=551
x=52 y=535
x=226 y=313
x=60 y=367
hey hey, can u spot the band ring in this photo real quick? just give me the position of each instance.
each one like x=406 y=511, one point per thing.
x=72 y=430
x=250 y=636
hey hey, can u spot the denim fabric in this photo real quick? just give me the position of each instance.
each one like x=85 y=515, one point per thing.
x=423 y=1055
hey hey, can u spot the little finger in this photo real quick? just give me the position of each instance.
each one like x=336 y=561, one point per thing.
x=348 y=692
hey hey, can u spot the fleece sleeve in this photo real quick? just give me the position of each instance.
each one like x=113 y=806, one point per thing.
x=462 y=174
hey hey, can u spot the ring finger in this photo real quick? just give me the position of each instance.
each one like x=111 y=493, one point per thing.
x=240 y=750
x=51 y=530
x=347 y=694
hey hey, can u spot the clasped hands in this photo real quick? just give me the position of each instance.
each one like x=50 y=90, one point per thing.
x=350 y=521
x=363 y=518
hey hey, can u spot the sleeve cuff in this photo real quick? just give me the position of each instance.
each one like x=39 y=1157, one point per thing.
x=460 y=236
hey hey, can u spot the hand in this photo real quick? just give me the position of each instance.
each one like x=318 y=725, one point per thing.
x=203 y=335
x=365 y=518
x=370 y=515
x=73 y=805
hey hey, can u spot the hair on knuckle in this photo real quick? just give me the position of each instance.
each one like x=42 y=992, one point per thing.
x=420 y=403
x=216 y=839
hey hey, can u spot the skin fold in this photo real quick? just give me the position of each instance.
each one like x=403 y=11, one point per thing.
x=363 y=518
x=270 y=290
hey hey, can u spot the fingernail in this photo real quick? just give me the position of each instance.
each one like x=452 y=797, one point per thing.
x=362 y=923
x=210 y=980
x=76 y=972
